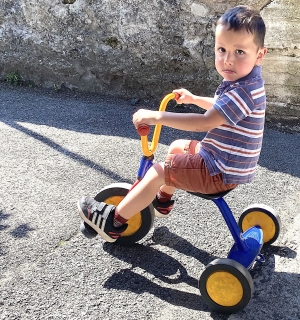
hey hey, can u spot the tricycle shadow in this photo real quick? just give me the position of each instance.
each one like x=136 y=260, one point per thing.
x=155 y=262
x=128 y=280
x=266 y=269
x=162 y=267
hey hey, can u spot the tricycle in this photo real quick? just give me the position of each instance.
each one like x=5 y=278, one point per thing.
x=226 y=284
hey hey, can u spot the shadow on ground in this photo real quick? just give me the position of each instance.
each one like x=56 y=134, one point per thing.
x=161 y=267
x=101 y=115
x=21 y=231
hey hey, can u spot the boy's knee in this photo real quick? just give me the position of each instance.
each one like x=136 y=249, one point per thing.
x=177 y=146
x=159 y=168
x=157 y=173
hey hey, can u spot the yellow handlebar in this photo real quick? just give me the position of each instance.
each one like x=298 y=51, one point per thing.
x=144 y=139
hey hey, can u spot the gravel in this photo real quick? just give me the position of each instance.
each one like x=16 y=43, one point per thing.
x=58 y=146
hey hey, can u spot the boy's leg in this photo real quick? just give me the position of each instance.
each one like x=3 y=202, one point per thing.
x=101 y=216
x=143 y=193
x=177 y=147
x=162 y=202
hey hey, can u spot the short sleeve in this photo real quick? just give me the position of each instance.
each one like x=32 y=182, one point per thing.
x=235 y=104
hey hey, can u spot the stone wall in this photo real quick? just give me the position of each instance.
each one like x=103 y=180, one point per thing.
x=282 y=65
x=140 y=48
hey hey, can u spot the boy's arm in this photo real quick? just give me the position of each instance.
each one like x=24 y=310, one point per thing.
x=188 y=98
x=181 y=121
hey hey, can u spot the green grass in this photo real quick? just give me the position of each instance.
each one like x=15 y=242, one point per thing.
x=14 y=79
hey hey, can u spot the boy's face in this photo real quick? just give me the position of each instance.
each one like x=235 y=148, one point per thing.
x=236 y=53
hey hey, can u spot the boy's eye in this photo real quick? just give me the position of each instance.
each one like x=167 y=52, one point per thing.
x=221 y=49
x=240 y=52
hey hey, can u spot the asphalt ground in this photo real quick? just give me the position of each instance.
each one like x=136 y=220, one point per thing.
x=59 y=146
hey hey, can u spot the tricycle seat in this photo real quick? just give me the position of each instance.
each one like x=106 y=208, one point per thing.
x=210 y=196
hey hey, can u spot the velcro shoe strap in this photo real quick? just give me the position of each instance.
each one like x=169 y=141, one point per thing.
x=100 y=211
x=97 y=209
x=105 y=214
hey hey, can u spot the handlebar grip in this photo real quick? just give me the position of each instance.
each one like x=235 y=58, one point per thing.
x=177 y=96
x=143 y=130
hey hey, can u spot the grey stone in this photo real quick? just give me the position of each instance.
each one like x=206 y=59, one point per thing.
x=141 y=49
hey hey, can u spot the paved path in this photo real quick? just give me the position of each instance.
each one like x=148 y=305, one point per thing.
x=56 y=147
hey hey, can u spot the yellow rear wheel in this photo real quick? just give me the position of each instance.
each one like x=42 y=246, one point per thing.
x=139 y=225
x=263 y=216
x=226 y=286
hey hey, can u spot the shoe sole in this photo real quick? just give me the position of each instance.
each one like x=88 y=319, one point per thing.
x=98 y=230
x=161 y=215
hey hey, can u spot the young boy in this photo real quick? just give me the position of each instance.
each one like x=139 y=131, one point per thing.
x=234 y=122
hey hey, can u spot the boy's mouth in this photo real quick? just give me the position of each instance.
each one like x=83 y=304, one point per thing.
x=229 y=71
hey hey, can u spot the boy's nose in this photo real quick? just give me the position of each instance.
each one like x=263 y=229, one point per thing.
x=228 y=59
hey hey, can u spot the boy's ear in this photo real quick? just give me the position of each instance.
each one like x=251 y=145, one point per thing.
x=260 y=55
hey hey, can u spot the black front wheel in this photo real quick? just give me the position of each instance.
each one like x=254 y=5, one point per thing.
x=139 y=225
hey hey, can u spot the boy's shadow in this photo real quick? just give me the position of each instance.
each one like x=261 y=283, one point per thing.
x=169 y=270
x=161 y=266
x=128 y=280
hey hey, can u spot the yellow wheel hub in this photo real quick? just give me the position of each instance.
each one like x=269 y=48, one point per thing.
x=261 y=219
x=134 y=223
x=224 y=289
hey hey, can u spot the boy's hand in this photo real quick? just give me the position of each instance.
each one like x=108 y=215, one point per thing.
x=185 y=96
x=144 y=116
x=188 y=98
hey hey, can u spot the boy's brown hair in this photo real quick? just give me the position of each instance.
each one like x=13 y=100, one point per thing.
x=245 y=18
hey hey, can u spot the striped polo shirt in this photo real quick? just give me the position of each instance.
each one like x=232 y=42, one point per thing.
x=233 y=148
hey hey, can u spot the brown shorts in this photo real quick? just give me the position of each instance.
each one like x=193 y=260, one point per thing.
x=188 y=172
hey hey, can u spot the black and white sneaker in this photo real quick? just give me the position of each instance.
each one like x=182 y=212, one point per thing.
x=162 y=209
x=100 y=216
